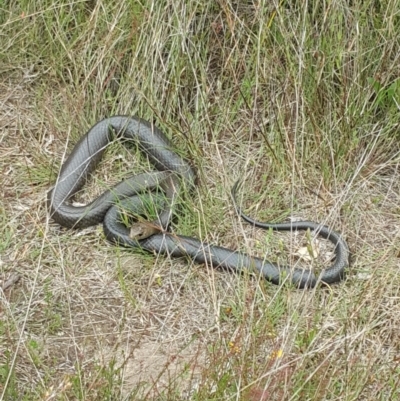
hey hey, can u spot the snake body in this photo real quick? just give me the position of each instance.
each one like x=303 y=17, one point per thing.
x=88 y=152
x=175 y=171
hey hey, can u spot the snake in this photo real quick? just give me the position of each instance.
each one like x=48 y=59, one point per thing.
x=172 y=177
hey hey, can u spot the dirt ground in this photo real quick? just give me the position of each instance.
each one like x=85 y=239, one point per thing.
x=75 y=310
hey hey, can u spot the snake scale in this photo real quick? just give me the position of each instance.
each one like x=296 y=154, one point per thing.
x=173 y=173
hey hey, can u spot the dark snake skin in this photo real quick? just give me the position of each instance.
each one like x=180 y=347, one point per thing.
x=106 y=208
x=88 y=152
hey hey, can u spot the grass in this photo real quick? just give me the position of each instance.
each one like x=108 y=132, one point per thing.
x=300 y=100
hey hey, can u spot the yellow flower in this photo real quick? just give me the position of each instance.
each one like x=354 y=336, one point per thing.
x=276 y=354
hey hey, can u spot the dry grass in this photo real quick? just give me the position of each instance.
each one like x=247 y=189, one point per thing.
x=302 y=101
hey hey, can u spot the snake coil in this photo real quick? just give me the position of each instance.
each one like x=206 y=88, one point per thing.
x=173 y=173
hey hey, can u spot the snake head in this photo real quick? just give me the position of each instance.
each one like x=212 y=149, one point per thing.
x=143 y=229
